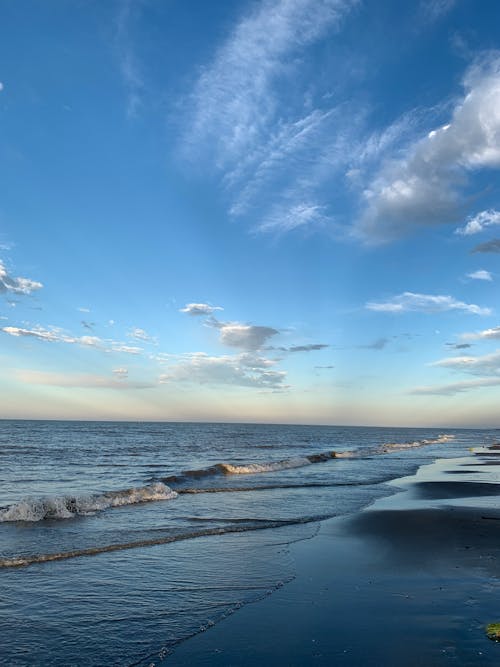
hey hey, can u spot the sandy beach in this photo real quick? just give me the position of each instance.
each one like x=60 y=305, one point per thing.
x=412 y=580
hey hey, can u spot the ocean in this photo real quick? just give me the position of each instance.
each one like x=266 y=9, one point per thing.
x=120 y=540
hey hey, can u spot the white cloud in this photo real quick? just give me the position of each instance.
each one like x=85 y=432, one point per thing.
x=286 y=218
x=487 y=364
x=55 y=335
x=253 y=114
x=120 y=373
x=140 y=334
x=126 y=349
x=1 y=86
x=199 y=309
x=425 y=187
x=244 y=336
x=84 y=310
x=481 y=274
x=245 y=370
x=9 y=284
x=52 y=335
x=486 y=334
x=479 y=222
x=234 y=98
x=427 y=303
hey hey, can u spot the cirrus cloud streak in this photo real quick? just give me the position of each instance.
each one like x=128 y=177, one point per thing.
x=425 y=303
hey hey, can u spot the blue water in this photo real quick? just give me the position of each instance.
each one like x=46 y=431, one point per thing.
x=119 y=540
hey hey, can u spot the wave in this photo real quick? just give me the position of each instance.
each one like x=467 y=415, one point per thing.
x=272 y=466
x=253 y=525
x=410 y=444
x=67 y=507
x=254 y=468
x=297 y=462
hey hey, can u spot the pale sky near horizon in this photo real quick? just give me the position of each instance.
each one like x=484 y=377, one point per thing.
x=275 y=211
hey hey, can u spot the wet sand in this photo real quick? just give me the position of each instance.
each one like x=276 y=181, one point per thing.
x=413 y=580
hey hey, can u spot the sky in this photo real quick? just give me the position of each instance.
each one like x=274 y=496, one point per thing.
x=277 y=211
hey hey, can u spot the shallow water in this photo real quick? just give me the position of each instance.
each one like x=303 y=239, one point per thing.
x=131 y=537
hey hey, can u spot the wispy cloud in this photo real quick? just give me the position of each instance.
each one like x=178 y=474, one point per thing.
x=235 y=97
x=236 y=114
x=55 y=335
x=435 y=9
x=81 y=381
x=244 y=370
x=378 y=344
x=459 y=346
x=426 y=303
x=201 y=309
x=479 y=222
x=312 y=347
x=12 y=285
x=481 y=274
x=488 y=246
x=426 y=186
x=455 y=387
x=285 y=218
x=140 y=334
x=486 y=334
x=126 y=349
x=487 y=364
x=128 y=62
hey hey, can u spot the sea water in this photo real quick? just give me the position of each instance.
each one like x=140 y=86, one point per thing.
x=120 y=540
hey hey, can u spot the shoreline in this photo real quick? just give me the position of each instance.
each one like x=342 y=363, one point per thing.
x=413 y=579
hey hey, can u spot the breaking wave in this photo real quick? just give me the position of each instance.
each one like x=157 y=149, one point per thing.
x=67 y=507
x=254 y=468
x=410 y=444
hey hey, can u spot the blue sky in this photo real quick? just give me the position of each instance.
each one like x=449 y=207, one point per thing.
x=277 y=211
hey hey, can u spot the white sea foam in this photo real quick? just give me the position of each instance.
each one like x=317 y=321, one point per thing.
x=66 y=507
x=252 y=468
x=395 y=446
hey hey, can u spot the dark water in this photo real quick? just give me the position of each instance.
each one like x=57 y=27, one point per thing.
x=118 y=540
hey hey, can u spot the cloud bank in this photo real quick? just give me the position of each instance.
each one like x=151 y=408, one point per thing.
x=426 y=186
x=243 y=370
